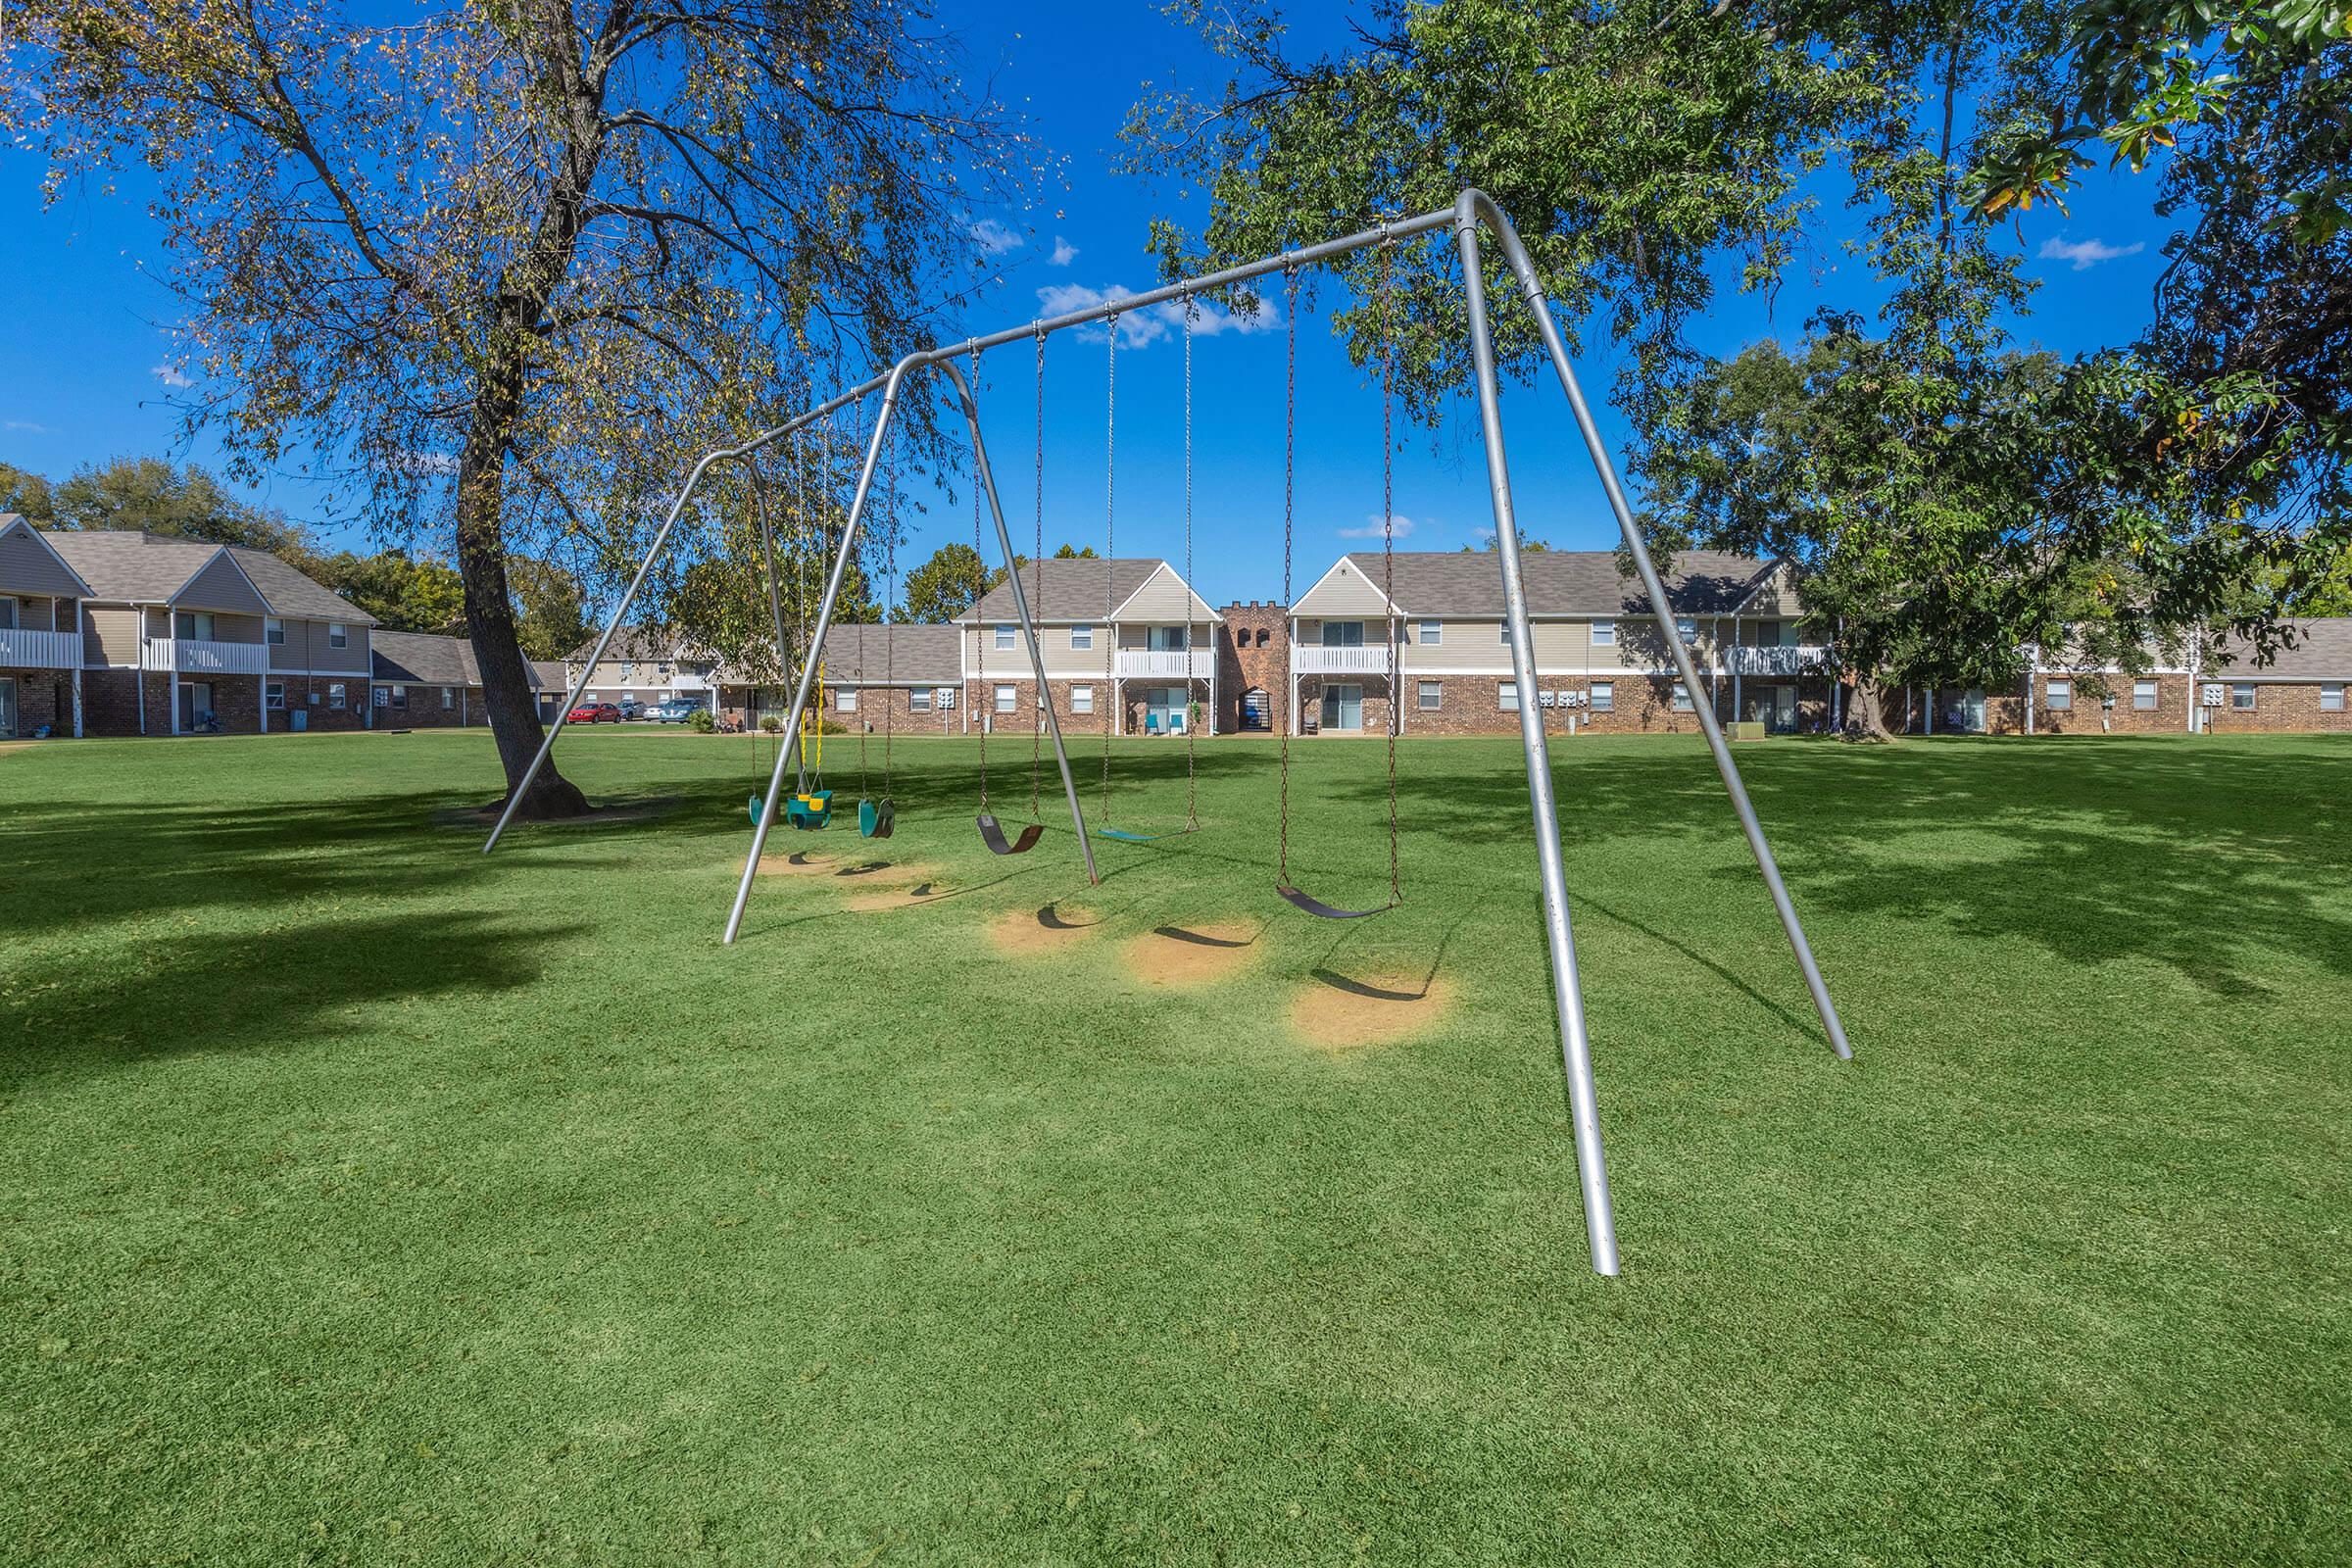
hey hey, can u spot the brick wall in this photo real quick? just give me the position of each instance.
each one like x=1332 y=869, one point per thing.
x=2279 y=706
x=299 y=690
x=1471 y=704
x=1253 y=650
x=110 y=701
x=980 y=702
x=43 y=696
x=894 y=706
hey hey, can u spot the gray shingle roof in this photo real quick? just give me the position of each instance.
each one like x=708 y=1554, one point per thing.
x=916 y=653
x=290 y=593
x=1070 y=590
x=2323 y=650
x=636 y=644
x=1559 y=582
x=415 y=659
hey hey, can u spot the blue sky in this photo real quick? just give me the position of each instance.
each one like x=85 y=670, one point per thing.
x=85 y=326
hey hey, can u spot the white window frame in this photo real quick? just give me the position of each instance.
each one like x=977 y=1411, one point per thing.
x=1004 y=640
x=1082 y=638
x=918 y=700
x=273 y=631
x=1323 y=634
x=1007 y=699
x=199 y=623
x=449 y=698
x=1502 y=632
x=844 y=699
x=1430 y=697
x=2145 y=695
x=1603 y=698
x=1604 y=633
x=400 y=697
x=1082 y=700
x=339 y=635
x=1433 y=634
x=273 y=696
x=2058 y=696
x=2331 y=697
x=1680 y=701
x=334 y=694
x=1507 y=696
x=1686 y=628
x=2245 y=689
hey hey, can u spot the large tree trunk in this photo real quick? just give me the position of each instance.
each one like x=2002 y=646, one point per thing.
x=1864 y=719
x=490 y=610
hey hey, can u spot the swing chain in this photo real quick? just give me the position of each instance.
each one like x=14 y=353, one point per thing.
x=1289 y=436
x=1388 y=539
x=980 y=635
x=1037 y=554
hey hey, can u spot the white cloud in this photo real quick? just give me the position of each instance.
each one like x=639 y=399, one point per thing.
x=1064 y=253
x=2086 y=252
x=25 y=426
x=173 y=376
x=994 y=238
x=1148 y=324
x=1371 y=529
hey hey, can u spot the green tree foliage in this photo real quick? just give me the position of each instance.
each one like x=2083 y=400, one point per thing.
x=550 y=612
x=944 y=586
x=181 y=501
x=27 y=494
x=406 y=594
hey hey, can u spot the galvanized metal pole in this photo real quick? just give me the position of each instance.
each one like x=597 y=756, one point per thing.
x=1576 y=1049
x=1532 y=286
x=985 y=477
x=816 y=639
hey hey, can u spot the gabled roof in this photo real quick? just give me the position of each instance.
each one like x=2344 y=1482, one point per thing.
x=292 y=594
x=2323 y=650
x=13 y=524
x=635 y=643
x=415 y=659
x=910 y=654
x=1080 y=590
x=1560 y=582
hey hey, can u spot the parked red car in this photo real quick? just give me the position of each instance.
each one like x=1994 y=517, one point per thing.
x=594 y=714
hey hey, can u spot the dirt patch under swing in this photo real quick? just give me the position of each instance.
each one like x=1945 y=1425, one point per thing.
x=800 y=862
x=1340 y=1012
x=1028 y=933
x=1179 y=956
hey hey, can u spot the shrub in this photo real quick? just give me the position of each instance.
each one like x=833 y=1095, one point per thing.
x=700 y=721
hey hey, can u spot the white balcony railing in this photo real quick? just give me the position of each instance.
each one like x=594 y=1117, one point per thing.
x=1370 y=661
x=40 y=650
x=1194 y=664
x=198 y=655
x=1775 y=660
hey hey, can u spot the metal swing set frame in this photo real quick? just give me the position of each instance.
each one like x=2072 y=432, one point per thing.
x=1471 y=211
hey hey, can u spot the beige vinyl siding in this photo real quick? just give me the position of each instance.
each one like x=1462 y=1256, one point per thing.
x=27 y=567
x=109 y=636
x=1164 y=599
x=236 y=628
x=1774 y=599
x=1561 y=646
x=222 y=586
x=1052 y=643
x=43 y=614
x=1345 y=595
x=307 y=648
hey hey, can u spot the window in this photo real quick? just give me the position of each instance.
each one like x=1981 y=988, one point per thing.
x=339 y=635
x=2242 y=696
x=2061 y=696
x=1168 y=639
x=2144 y=695
x=1433 y=633
x=273 y=696
x=1432 y=693
x=449 y=698
x=1685 y=627
x=273 y=631
x=196 y=623
x=1503 y=633
x=334 y=695
x=1082 y=699
x=844 y=699
x=1507 y=696
x=1682 y=698
x=628 y=673
x=400 y=697
x=8 y=613
x=919 y=702
x=1003 y=699
x=1605 y=696
x=1004 y=636
x=1342 y=634
x=1082 y=637
x=1604 y=634
x=2331 y=697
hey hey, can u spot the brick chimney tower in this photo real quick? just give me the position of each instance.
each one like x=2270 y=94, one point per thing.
x=1253 y=660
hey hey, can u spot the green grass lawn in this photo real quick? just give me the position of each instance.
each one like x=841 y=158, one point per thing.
x=368 y=1200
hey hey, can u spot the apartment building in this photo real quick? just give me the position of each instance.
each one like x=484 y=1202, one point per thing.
x=644 y=668
x=1601 y=662
x=1126 y=644
x=419 y=682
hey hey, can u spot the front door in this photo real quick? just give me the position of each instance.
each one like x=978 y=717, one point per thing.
x=1166 y=705
x=195 y=704
x=8 y=709
x=1343 y=708
x=1972 y=713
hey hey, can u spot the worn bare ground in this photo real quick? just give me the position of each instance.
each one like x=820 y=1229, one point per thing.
x=1182 y=957
x=1051 y=928
x=1340 y=1012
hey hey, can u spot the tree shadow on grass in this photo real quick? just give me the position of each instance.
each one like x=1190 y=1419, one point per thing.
x=201 y=990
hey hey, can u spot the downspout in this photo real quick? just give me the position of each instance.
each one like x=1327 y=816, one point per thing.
x=2033 y=680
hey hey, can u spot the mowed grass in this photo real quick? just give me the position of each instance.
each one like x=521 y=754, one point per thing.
x=366 y=1200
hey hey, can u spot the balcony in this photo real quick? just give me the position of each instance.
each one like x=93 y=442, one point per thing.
x=1368 y=660
x=40 y=650
x=197 y=656
x=1196 y=664
x=1776 y=661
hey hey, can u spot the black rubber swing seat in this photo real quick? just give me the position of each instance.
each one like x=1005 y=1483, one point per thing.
x=1321 y=911
x=994 y=836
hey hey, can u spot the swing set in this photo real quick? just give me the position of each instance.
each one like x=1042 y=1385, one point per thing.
x=1471 y=212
